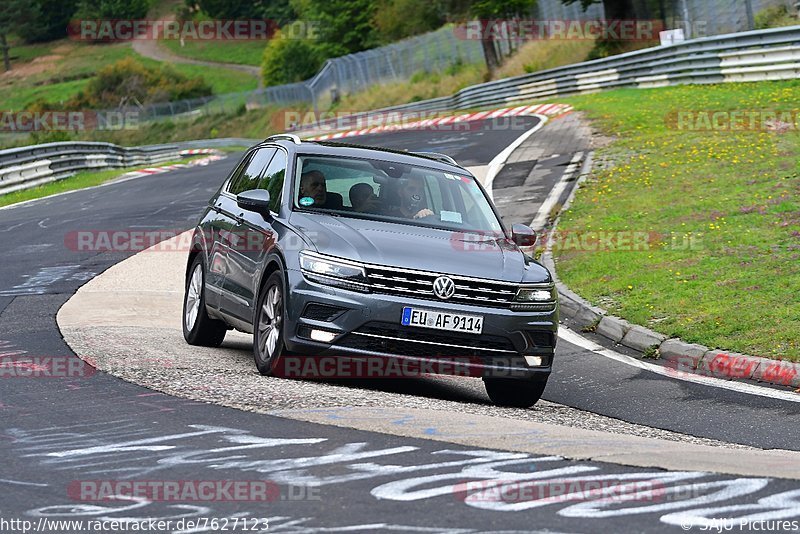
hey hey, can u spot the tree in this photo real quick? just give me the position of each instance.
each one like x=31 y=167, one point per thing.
x=17 y=17
x=345 y=26
x=112 y=9
x=288 y=60
x=278 y=11
x=398 y=19
x=497 y=9
x=54 y=17
x=614 y=9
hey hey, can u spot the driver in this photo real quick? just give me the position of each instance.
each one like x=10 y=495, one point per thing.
x=411 y=206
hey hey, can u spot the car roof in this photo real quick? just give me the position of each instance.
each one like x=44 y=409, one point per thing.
x=329 y=148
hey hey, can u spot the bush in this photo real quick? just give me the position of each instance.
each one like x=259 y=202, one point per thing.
x=289 y=60
x=129 y=82
x=606 y=47
x=774 y=17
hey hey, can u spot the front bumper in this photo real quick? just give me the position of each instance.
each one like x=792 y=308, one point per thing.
x=368 y=324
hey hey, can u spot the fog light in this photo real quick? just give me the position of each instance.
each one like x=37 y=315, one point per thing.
x=533 y=361
x=324 y=337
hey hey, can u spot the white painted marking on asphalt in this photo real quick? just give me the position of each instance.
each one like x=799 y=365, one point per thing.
x=544 y=210
x=496 y=165
x=15 y=226
x=20 y=483
x=739 y=387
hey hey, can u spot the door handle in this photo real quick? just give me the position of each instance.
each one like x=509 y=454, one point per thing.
x=240 y=218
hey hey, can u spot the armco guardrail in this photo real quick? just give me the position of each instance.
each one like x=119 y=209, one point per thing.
x=772 y=54
x=30 y=166
x=26 y=167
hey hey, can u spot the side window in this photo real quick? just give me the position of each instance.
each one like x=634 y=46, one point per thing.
x=249 y=178
x=237 y=173
x=273 y=178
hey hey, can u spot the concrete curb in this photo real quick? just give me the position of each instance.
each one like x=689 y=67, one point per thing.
x=678 y=354
x=214 y=155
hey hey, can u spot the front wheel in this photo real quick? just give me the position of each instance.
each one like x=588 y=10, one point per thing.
x=515 y=393
x=268 y=344
x=198 y=327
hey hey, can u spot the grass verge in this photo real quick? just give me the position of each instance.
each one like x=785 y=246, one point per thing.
x=721 y=210
x=238 y=52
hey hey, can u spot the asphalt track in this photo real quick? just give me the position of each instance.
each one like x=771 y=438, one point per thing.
x=59 y=430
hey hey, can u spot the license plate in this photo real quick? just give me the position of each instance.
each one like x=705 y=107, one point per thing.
x=470 y=324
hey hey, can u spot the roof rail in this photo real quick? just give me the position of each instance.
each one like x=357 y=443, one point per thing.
x=444 y=158
x=285 y=136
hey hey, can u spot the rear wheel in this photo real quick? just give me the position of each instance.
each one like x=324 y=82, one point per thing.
x=514 y=393
x=198 y=327
x=268 y=344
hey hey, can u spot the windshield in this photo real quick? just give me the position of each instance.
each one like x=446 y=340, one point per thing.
x=394 y=192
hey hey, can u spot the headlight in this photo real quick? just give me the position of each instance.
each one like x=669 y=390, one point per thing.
x=333 y=272
x=535 y=294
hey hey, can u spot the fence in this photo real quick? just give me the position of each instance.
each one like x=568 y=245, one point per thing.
x=436 y=51
x=742 y=57
x=431 y=52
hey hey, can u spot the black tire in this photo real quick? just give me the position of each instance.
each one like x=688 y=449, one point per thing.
x=515 y=393
x=202 y=330
x=268 y=325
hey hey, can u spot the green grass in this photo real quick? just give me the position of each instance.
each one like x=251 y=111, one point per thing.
x=81 y=180
x=18 y=98
x=221 y=80
x=239 y=52
x=69 y=73
x=725 y=271
x=28 y=52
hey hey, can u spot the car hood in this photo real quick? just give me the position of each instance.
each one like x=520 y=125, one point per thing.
x=416 y=247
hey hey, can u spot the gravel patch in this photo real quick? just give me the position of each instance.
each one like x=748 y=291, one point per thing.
x=161 y=360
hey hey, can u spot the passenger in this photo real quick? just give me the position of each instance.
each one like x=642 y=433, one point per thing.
x=363 y=198
x=312 y=184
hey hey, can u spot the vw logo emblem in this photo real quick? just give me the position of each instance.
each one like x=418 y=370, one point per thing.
x=444 y=287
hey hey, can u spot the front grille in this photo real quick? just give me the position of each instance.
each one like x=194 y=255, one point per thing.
x=419 y=284
x=321 y=312
x=390 y=338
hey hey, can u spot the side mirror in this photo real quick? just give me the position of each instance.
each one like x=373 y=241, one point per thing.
x=256 y=200
x=523 y=235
